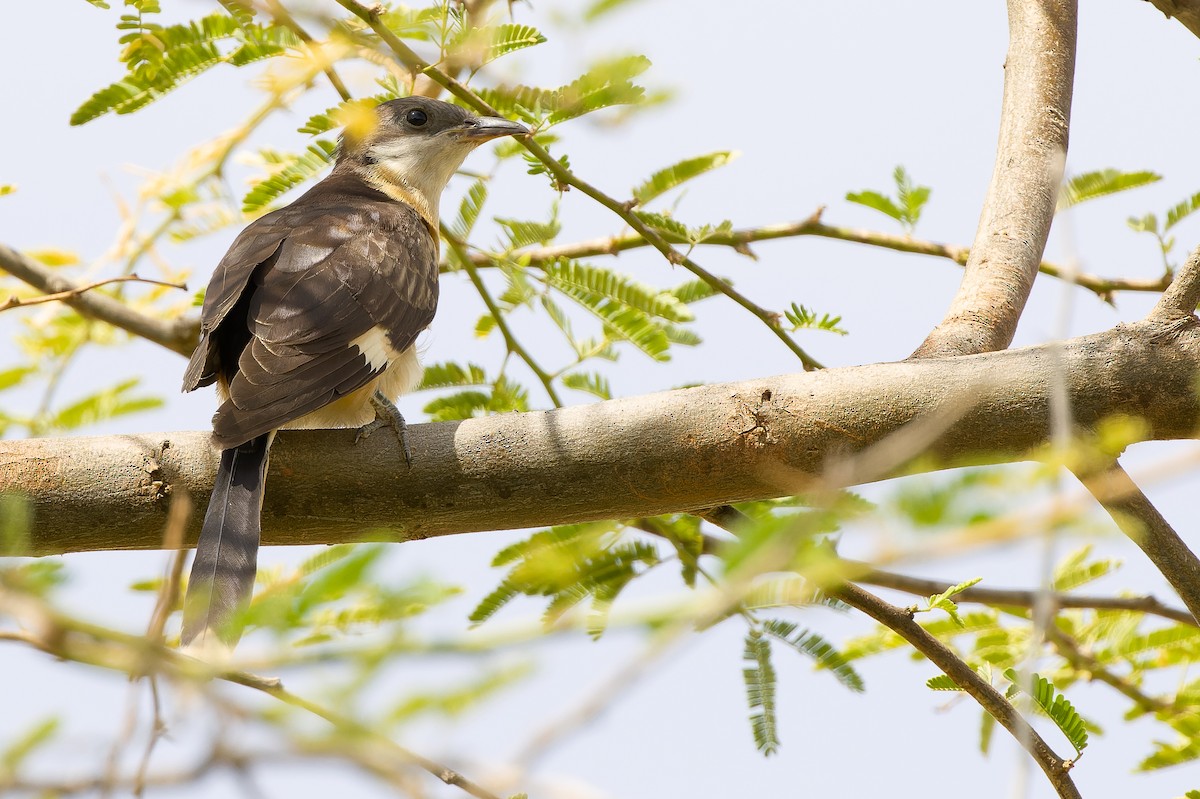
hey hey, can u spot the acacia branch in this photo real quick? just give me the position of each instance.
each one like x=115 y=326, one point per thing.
x=71 y=639
x=1180 y=298
x=1020 y=203
x=76 y=291
x=178 y=335
x=1014 y=597
x=741 y=239
x=1137 y=517
x=1074 y=654
x=676 y=451
x=901 y=622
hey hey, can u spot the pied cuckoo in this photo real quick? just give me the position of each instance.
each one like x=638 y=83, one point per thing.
x=310 y=321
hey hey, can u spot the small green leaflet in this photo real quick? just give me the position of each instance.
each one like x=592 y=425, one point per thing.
x=27 y=743
x=673 y=176
x=297 y=169
x=105 y=404
x=905 y=208
x=1182 y=210
x=1056 y=707
x=449 y=374
x=1076 y=570
x=944 y=602
x=942 y=683
x=804 y=318
x=1101 y=183
x=816 y=647
x=759 y=677
x=589 y=383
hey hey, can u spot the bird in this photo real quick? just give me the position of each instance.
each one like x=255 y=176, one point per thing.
x=310 y=320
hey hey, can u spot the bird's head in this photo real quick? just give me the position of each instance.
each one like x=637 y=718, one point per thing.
x=412 y=146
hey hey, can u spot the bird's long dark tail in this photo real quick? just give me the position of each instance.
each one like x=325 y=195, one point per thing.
x=226 y=556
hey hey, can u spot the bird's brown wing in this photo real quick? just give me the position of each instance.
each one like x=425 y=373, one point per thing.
x=345 y=265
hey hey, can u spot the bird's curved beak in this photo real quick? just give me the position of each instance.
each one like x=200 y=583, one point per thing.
x=480 y=129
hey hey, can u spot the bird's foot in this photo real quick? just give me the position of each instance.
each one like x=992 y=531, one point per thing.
x=386 y=415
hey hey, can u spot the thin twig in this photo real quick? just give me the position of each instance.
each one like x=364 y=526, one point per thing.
x=1074 y=654
x=510 y=340
x=901 y=622
x=282 y=17
x=1013 y=597
x=741 y=239
x=75 y=291
x=178 y=335
x=72 y=639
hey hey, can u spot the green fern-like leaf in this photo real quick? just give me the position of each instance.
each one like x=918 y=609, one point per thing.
x=491 y=604
x=694 y=291
x=522 y=233
x=987 y=726
x=243 y=13
x=816 y=647
x=606 y=84
x=912 y=198
x=905 y=209
x=108 y=403
x=1101 y=183
x=677 y=174
x=452 y=375
x=606 y=283
x=804 y=318
x=1056 y=707
x=1161 y=641
x=589 y=383
x=665 y=225
x=261 y=43
x=469 y=210
x=1076 y=569
x=505 y=39
x=27 y=743
x=1181 y=211
x=942 y=683
x=944 y=601
x=759 y=677
x=297 y=169
x=458 y=406
x=880 y=202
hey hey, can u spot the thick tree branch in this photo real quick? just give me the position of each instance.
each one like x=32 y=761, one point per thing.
x=178 y=335
x=1180 y=298
x=901 y=622
x=641 y=456
x=1019 y=207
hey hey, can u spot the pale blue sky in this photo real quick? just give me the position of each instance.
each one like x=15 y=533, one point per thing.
x=820 y=98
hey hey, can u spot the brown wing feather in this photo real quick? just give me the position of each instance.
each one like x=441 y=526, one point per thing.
x=296 y=288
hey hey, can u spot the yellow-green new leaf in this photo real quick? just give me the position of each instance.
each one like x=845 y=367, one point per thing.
x=673 y=176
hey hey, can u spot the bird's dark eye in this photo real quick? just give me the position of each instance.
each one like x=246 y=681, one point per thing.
x=416 y=117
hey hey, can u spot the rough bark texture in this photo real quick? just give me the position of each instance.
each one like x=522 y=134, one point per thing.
x=1019 y=206
x=674 y=451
